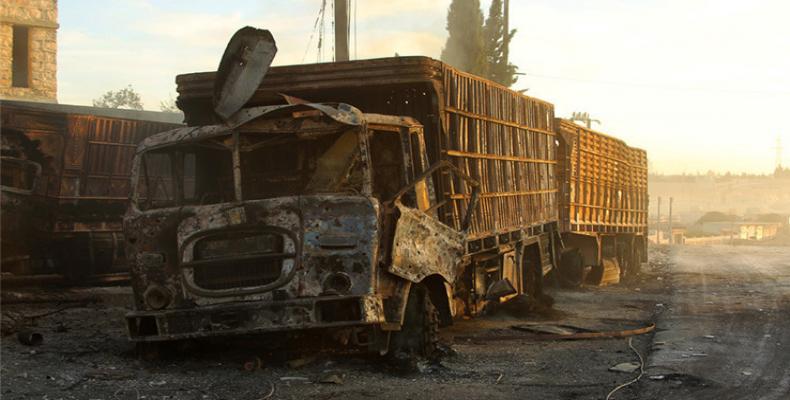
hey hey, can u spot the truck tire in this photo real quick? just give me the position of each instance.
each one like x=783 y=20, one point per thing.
x=571 y=269
x=419 y=335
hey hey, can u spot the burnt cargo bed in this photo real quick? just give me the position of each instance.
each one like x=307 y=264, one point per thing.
x=494 y=134
x=86 y=157
x=604 y=182
x=603 y=205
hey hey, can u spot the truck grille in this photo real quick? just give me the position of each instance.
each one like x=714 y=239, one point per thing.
x=232 y=274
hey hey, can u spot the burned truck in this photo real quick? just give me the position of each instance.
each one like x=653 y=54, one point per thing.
x=66 y=184
x=299 y=214
x=288 y=217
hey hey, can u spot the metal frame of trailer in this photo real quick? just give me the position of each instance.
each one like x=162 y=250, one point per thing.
x=604 y=200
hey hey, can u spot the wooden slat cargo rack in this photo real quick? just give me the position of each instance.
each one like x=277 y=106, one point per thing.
x=603 y=199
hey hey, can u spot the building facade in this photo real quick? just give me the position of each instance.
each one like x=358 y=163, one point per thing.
x=28 y=50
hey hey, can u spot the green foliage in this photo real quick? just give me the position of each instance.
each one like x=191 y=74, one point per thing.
x=497 y=42
x=478 y=48
x=465 y=48
x=122 y=98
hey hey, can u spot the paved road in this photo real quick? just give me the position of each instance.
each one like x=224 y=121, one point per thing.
x=725 y=331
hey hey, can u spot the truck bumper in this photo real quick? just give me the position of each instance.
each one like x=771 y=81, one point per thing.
x=255 y=317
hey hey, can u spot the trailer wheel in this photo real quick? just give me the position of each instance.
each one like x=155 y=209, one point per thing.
x=636 y=261
x=625 y=262
x=419 y=334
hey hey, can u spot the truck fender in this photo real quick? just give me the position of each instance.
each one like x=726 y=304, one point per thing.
x=423 y=246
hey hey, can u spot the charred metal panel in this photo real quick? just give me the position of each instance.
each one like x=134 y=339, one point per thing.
x=244 y=64
x=315 y=222
x=423 y=246
x=256 y=317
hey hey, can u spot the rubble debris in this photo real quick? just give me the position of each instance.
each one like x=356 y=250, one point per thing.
x=500 y=288
x=11 y=322
x=550 y=336
x=640 y=366
x=331 y=378
x=521 y=305
x=301 y=362
x=30 y=338
x=294 y=379
x=627 y=367
x=254 y=364
x=555 y=329
x=271 y=392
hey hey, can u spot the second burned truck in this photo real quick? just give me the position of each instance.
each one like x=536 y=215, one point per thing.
x=295 y=215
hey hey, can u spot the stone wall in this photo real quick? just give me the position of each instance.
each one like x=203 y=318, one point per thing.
x=41 y=18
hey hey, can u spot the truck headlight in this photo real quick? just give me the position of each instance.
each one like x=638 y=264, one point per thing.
x=157 y=297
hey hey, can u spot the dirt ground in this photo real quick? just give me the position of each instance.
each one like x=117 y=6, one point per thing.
x=85 y=354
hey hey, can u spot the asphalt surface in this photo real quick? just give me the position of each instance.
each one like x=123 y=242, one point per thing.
x=725 y=333
x=722 y=316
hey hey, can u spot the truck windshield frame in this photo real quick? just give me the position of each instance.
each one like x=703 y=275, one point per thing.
x=258 y=165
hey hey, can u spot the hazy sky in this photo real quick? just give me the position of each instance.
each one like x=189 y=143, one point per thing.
x=699 y=84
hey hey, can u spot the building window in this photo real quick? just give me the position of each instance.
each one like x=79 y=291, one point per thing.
x=20 y=72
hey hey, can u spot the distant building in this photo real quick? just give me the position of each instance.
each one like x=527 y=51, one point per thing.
x=28 y=50
x=757 y=230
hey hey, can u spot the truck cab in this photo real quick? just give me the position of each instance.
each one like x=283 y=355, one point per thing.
x=291 y=217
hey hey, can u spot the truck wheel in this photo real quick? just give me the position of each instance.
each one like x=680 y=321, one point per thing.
x=636 y=261
x=624 y=262
x=571 y=269
x=419 y=334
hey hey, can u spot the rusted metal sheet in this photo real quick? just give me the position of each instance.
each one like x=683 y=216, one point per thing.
x=243 y=66
x=423 y=246
x=604 y=182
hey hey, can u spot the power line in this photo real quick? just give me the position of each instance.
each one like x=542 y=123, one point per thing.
x=355 y=29
x=315 y=28
x=662 y=87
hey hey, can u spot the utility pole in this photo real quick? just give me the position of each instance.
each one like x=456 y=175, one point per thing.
x=584 y=117
x=506 y=19
x=658 y=222
x=671 y=236
x=341 y=30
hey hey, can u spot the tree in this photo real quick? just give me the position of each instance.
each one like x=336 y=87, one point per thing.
x=169 y=105
x=464 y=48
x=497 y=41
x=122 y=98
